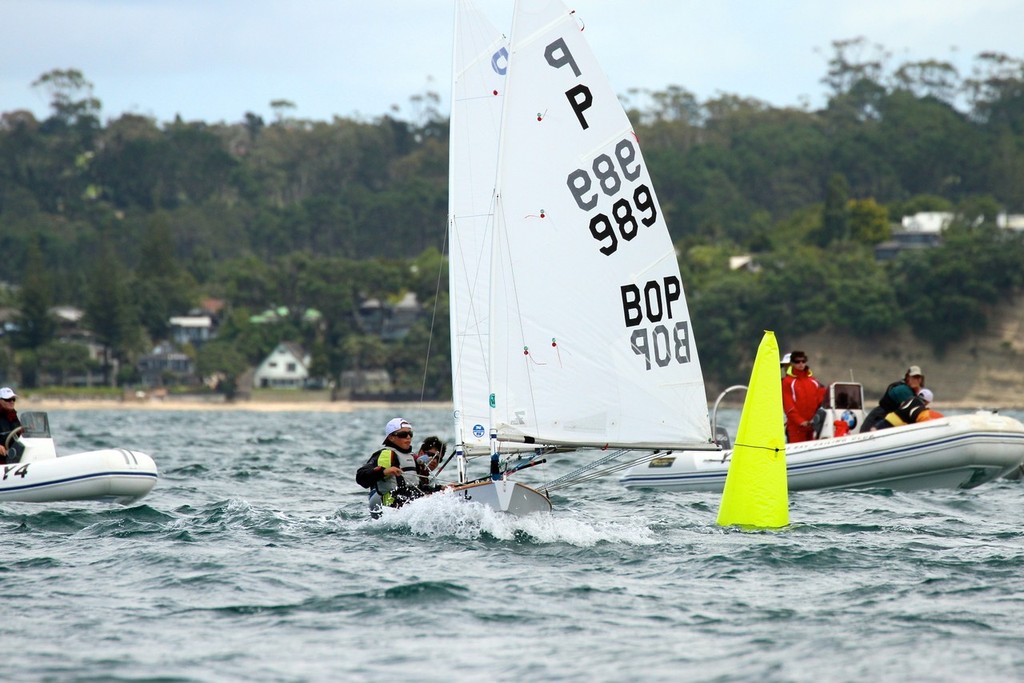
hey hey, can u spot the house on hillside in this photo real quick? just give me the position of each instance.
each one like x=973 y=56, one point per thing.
x=287 y=367
x=391 y=321
x=191 y=329
x=165 y=365
x=923 y=230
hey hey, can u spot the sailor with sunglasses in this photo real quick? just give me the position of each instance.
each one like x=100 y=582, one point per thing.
x=393 y=469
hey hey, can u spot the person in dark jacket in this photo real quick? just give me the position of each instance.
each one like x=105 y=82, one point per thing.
x=395 y=477
x=9 y=448
x=900 y=399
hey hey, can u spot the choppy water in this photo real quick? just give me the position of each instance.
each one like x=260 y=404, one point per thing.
x=254 y=560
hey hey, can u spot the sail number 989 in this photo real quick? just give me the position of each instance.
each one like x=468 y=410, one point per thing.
x=606 y=176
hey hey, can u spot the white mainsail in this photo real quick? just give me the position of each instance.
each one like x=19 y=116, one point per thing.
x=589 y=331
x=479 y=64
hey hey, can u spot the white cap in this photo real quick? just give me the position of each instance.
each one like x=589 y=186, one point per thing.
x=396 y=424
x=785 y=359
x=926 y=395
x=7 y=393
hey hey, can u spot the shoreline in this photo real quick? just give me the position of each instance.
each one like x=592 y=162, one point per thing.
x=198 y=404
x=28 y=403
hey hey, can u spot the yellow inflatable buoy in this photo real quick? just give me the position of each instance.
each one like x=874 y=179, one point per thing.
x=756 y=490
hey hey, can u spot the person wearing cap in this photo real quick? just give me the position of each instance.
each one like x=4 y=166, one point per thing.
x=927 y=396
x=899 y=404
x=394 y=472
x=801 y=397
x=8 y=423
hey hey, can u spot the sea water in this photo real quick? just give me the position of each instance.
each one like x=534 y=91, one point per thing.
x=254 y=559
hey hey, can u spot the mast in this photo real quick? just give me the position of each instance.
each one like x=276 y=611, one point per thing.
x=479 y=64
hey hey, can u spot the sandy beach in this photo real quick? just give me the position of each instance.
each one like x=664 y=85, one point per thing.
x=26 y=403
x=190 y=403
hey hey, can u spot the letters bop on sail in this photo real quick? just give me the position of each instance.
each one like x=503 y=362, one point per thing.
x=590 y=335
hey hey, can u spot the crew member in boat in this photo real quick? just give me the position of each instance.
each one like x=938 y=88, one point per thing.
x=785 y=362
x=900 y=404
x=801 y=396
x=928 y=396
x=429 y=456
x=396 y=474
x=9 y=422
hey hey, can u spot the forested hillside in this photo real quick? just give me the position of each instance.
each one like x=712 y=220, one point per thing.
x=135 y=220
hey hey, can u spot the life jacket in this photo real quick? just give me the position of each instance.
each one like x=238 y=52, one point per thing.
x=910 y=411
x=895 y=394
x=395 y=490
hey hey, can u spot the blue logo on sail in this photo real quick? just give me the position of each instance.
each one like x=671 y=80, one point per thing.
x=499 y=61
x=478 y=431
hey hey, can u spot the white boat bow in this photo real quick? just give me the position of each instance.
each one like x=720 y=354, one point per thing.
x=41 y=476
x=957 y=452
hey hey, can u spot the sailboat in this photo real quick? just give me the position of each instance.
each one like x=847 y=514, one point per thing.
x=569 y=324
x=570 y=330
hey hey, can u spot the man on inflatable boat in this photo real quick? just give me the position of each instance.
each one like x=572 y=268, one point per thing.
x=900 y=404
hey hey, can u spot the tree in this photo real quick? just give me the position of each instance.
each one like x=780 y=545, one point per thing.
x=163 y=288
x=835 y=221
x=35 y=323
x=64 y=86
x=220 y=358
x=869 y=221
x=109 y=312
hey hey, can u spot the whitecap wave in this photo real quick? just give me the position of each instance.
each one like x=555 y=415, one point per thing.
x=446 y=514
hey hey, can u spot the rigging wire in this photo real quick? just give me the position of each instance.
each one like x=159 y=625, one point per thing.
x=433 y=317
x=598 y=469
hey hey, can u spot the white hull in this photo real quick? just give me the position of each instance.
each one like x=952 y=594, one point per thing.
x=956 y=452
x=506 y=496
x=113 y=474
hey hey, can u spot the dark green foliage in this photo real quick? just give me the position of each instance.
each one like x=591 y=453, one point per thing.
x=36 y=325
x=944 y=291
x=134 y=221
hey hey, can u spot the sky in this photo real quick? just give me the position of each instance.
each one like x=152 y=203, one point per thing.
x=216 y=60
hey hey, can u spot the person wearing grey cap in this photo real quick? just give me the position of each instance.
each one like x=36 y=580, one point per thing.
x=900 y=398
x=10 y=450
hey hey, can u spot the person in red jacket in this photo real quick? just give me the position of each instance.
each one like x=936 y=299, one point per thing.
x=801 y=396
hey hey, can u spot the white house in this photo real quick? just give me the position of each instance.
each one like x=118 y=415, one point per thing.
x=287 y=367
x=191 y=329
x=927 y=221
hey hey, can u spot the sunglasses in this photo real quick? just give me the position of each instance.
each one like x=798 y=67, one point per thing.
x=402 y=435
x=9 y=400
x=800 y=360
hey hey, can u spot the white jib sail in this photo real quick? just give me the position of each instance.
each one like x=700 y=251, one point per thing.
x=479 y=64
x=591 y=341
